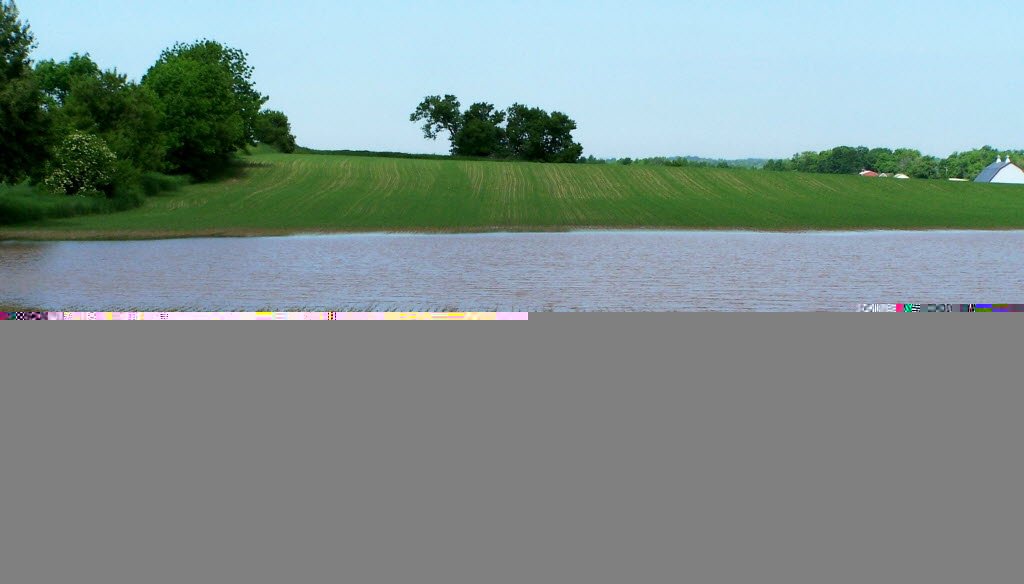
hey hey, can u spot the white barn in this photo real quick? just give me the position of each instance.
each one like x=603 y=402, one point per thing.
x=1002 y=171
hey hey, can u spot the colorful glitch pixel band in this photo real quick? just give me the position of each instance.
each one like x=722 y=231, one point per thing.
x=940 y=308
x=266 y=316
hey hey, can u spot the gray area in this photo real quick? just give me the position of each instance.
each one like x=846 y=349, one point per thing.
x=721 y=449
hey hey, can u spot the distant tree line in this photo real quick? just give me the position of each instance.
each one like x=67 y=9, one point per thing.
x=676 y=162
x=852 y=160
x=519 y=132
x=73 y=127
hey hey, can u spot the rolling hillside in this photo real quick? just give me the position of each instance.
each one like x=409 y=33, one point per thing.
x=281 y=194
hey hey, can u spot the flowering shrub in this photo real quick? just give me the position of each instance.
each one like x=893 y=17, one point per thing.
x=81 y=164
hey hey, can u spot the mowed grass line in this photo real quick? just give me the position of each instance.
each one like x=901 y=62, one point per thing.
x=278 y=194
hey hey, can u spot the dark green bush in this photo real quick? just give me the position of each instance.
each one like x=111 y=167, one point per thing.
x=128 y=190
x=154 y=183
x=24 y=204
x=13 y=211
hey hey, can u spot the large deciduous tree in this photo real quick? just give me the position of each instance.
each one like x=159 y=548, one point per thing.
x=210 y=106
x=528 y=133
x=559 y=144
x=274 y=129
x=481 y=133
x=24 y=124
x=55 y=78
x=536 y=135
x=124 y=114
x=439 y=114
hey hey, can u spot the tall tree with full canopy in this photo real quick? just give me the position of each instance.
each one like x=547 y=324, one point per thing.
x=210 y=105
x=439 y=114
x=82 y=97
x=274 y=129
x=526 y=129
x=24 y=124
x=559 y=144
x=55 y=78
x=529 y=133
x=536 y=135
x=481 y=133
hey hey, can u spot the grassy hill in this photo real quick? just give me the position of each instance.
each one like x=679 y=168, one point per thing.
x=301 y=193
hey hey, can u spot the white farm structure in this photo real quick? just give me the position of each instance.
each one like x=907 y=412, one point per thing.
x=1002 y=171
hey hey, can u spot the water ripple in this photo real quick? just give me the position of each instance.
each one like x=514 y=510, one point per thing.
x=589 y=271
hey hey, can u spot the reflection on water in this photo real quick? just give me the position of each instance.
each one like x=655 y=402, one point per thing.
x=582 y=271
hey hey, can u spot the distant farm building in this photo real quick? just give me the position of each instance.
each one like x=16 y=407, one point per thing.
x=869 y=173
x=1002 y=171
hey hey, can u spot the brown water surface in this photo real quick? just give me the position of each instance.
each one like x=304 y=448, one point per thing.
x=580 y=271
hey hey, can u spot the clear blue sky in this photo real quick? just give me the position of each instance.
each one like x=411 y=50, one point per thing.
x=718 y=78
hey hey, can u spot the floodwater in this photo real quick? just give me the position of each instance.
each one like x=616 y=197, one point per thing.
x=578 y=271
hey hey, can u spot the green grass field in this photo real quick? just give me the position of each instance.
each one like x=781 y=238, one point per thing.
x=309 y=193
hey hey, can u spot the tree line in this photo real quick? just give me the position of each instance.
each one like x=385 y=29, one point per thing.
x=518 y=133
x=73 y=127
x=852 y=160
x=678 y=162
